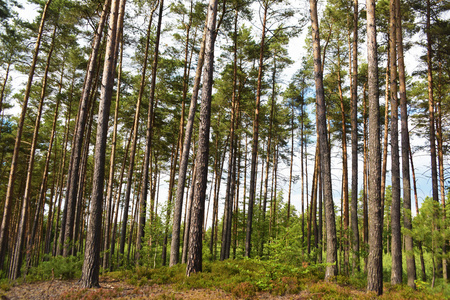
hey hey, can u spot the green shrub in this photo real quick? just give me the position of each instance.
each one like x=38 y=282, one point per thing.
x=57 y=267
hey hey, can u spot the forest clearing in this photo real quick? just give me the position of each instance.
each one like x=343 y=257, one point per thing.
x=217 y=149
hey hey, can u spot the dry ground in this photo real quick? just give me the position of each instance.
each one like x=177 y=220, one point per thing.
x=116 y=289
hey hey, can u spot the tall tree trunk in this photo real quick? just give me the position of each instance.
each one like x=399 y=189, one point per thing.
x=386 y=132
x=253 y=176
x=4 y=228
x=303 y=163
x=344 y=169
x=42 y=190
x=396 y=245
x=91 y=264
x=173 y=166
x=149 y=133
x=313 y=195
x=109 y=190
x=175 y=245
x=375 y=259
x=434 y=181
x=72 y=177
x=354 y=138
x=187 y=223
x=16 y=259
x=365 y=180
x=135 y=135
x=116 y=205
x=407 y=217
x=194 y=263
x=331 y=269
x=81 y=199
x=228 y=213
x=441 y=169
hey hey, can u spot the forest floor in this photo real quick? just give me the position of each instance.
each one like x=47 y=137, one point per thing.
x=112 y=288
x=231 y=279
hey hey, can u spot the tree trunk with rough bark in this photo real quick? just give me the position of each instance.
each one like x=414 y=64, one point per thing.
x=375 y=259
x=175 y=245
x=331 y=269
x=354 y=138
x=396 y=244
x=194 y=262
x=407 y=217
x=91 y=264
x=75 y=159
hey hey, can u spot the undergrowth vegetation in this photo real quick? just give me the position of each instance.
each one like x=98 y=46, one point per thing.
x=242 y=278
x=245 y=278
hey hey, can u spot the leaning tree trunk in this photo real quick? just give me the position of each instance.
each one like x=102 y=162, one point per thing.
x=4 y=228
x=194 y=263
x=375 y=259
x=331 y=269
x=91 y=264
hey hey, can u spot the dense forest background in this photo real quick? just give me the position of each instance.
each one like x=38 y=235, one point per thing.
x=157 y=133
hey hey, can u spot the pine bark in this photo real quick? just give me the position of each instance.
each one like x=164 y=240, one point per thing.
x=194 y=262
x=175 y=245
x=375 y=259
x=396 y=245
x=331 y=269
x=75 y=159
x=91 y=264
x=407 y=216
x=354 y=138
